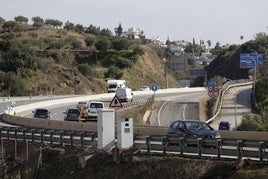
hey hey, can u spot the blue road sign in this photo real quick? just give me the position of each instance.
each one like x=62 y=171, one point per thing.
x=250 y=60
x=211 y=84
x=154 y=88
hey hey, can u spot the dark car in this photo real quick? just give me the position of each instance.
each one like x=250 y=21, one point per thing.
x=71 y=115
x=193 y=128
x=41 y=113
x=224 y=125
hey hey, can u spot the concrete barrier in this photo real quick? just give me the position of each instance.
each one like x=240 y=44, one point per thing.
x=50 y=124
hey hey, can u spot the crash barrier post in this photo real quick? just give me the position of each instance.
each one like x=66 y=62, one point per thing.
x=164 y=144
x=219 y=146
x=239 y=149
x=181 y=142
x=261 y=150
x=148 y=143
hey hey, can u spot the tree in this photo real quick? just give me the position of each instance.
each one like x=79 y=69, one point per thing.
x=193 y=46
x=260 y=36
x=106 y=32
x=53 y=23
x=241 y=38
x=217 y=46
x=120 y=44
x=11 y=26
x=2 y=21
x=209 y=43
x=37 y=22
x=103 y=44
x=92 y=30
x=119 y=30
x=21 y=19
x=69 y=26
x=79 y=28
x=89 y=41
x=16 y=56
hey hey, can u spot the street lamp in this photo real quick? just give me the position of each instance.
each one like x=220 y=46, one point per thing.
x=255 y=73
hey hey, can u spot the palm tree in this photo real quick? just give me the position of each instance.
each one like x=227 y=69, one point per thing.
x=241 y=38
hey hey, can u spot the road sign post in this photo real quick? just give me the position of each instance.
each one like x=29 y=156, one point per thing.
x=251 y=60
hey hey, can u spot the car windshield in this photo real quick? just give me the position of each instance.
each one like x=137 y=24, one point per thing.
x=196 y=125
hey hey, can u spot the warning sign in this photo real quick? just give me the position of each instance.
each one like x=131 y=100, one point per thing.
x=115 y=102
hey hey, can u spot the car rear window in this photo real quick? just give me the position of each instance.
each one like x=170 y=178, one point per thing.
x=73 y=111
x=41 y=111
x=96 y=105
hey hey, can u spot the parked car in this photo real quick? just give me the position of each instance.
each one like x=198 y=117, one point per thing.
x=71 y=114
x=224 y=125
x=81 y=104
x=193 y=128
x=41 y=113
x=144 y=88
x=92 y=111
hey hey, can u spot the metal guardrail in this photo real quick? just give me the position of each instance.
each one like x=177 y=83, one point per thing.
x=183 y=146
x=212 y=148
x=136 y=103
x=224 y=89
x=48 y=136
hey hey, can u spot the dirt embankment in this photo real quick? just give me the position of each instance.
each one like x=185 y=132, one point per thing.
x=71 y=162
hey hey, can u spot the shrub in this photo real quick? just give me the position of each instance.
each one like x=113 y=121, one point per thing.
x=114 y=72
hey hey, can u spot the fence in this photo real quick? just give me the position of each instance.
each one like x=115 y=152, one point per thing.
x=183 y=146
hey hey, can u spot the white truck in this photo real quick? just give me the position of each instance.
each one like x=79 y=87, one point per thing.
x=112 y=85
x=124 y=94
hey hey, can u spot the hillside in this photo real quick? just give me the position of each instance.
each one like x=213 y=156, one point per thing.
x=55 y=61
x=227 y=63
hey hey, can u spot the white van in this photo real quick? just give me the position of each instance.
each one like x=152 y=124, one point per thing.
x=92 y=111
x=112 y=85
x=124 y=94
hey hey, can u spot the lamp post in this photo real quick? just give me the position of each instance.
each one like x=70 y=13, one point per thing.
x=255 y=73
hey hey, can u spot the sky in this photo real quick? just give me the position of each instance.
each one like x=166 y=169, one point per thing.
x=223 y=21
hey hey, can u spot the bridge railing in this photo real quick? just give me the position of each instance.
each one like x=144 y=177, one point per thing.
x=165 y=144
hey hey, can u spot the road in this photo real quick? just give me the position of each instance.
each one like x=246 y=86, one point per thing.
x=236 y=103
x=179 y=106
x=184 y=97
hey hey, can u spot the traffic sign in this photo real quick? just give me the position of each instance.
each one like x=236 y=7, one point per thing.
x=210 y=89
x=211 y=84
x=250 y=60
x=213 y=91
x=115 y=102
x=154 y=88
x=210 y=93
x=216 y=93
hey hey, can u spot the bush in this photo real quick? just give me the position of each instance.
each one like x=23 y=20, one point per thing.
x=252 y=122
x=114 y=72
x=84 y=69
x=123 y=63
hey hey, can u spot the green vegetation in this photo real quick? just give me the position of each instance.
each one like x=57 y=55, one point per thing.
x=28 y=53
x=227 y=64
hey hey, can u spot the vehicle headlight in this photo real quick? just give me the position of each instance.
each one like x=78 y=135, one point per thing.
x=217 y=135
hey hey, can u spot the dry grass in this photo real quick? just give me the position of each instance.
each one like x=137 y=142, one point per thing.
x=203 y=108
